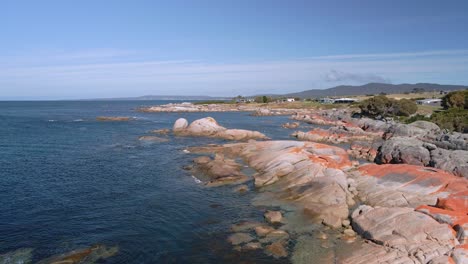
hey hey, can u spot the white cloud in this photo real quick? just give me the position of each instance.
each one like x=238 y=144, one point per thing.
x=119 y=77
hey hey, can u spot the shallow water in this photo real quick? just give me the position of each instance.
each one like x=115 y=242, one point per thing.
x=68 y=181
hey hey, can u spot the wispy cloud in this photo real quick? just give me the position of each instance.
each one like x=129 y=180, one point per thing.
x=339 y=76
x=123 y=75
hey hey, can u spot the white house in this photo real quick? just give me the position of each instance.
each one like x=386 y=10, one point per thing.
x=436 y=102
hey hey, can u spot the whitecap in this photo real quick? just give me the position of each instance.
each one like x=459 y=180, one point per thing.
x=51 y=120
x=78 y=120
x=196 y=179
x=185 y=151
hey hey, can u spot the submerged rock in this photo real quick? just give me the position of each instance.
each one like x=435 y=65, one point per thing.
x=218 y=171
x=291 y=125
x=164 y=131
x=263 y=230
x=153 y=139
x=244 y=226
x=273 y=217
x=276 y=250
x=19 y=256
x=239 y=238
x=88 y=255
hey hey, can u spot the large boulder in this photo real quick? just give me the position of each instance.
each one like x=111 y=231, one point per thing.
x=363 y=149
x=455 y=161
x=403 y=150
x=204 y=127
x=208 y=127
x=404 y=130
x=453 y=140
x=180 y=124
x=426 y=125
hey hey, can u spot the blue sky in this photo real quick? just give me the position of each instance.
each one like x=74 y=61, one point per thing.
x=89 y=49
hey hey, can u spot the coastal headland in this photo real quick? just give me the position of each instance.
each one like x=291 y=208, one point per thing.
x=351 y=190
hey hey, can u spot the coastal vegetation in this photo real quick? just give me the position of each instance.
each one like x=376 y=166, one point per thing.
x=453 y=117
x=382 y=106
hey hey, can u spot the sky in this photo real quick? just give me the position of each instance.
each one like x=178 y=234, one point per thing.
x=92 y=49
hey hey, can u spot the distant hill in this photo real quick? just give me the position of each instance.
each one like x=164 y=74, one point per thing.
x=162 y=97
x=374 y=88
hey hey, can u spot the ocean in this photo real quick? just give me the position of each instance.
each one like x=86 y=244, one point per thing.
x=68 y=181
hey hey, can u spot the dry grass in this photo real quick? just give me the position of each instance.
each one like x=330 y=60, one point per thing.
x=427 y=109
x=405 y=96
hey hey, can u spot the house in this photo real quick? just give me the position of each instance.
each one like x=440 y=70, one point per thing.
x=326 y=100
x=345 y=100
x=433 y=102
x=244 y=100
x=290 y=99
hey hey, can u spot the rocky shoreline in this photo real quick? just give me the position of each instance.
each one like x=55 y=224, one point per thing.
x=410 y=205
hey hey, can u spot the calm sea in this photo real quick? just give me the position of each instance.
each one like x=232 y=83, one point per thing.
x=68 y=182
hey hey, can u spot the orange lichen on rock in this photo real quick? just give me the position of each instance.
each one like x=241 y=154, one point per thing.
x=455 y=202
x=434 y=179
x=330 y=156
x=447 y=216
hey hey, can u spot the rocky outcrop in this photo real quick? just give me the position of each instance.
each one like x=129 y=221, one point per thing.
x=316 y=119
x=309 y=175
x=452 y=141
x=336 y=135
x=407 y=235
x=404 y=150
x=399 y=185
x=153 y=139
x=413 y=151
x=455 y=162
x=262 y=112
x=366 y=150
x=292 y=125
x=208 y=127
x=218 y=171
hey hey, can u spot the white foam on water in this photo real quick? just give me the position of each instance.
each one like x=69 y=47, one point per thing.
x=196 y=179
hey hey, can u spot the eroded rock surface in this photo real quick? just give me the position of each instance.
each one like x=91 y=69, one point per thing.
x=405 y=230
x=218 y=171
x=208 y=127
x=309 y=175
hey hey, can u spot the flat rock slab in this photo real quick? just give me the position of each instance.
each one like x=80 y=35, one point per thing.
x=405 y=230
x=402 y=185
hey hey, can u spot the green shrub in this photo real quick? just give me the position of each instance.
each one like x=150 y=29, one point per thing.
x=455 y=119
x=456 y=99
x=405 y=107
x=384 y=107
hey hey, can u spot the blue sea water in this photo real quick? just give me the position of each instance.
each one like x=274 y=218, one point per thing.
x=68 y=182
